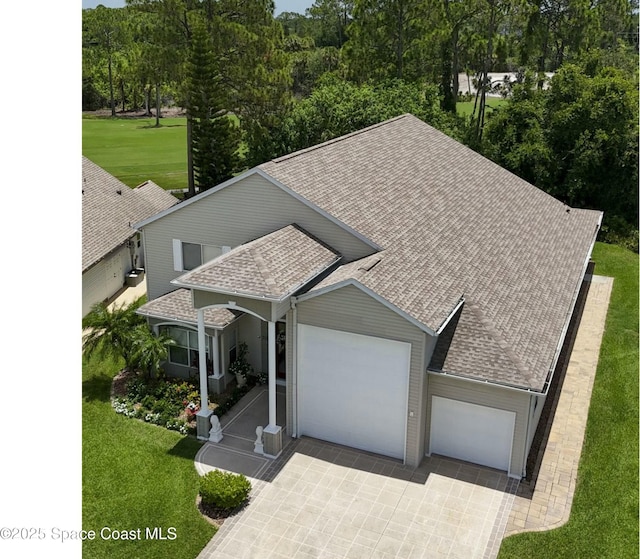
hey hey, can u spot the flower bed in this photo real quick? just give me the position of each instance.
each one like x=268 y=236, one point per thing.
x=169 y=402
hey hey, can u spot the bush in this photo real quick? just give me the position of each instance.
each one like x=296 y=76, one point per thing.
x=224 y=489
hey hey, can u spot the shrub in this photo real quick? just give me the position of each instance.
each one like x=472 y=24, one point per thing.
x=224 y=489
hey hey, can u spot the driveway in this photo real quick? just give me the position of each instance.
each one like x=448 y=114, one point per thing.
x=326 y=501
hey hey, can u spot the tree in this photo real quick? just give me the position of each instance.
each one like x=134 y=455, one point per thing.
x=385 y=39
x=577 y=141
x=215 y=138
x=332 y=18
x=149 y=351
x=104 y=36
x=251 y=71
x=337 y=107
x=108 y=331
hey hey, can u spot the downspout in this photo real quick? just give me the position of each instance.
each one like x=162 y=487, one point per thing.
x=294 y=368
x=527 y=446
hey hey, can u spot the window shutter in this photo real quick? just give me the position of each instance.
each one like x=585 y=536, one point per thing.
x=177 y=255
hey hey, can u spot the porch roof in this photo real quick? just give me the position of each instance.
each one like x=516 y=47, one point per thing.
x=271 y=267
x=177 y=306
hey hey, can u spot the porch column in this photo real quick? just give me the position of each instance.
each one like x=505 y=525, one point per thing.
x=216 y=381
x=272 y=373
x=203 y=421
x=272 y=433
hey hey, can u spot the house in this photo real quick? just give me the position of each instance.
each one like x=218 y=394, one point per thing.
x=411 y=295
x=110 y=246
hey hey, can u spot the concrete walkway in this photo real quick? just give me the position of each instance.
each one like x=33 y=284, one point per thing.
x=549 y=506
x=128 y=295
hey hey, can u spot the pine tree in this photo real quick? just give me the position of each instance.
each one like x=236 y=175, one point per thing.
x=214 y=136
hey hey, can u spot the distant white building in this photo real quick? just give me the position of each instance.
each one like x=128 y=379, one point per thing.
x=466 y=82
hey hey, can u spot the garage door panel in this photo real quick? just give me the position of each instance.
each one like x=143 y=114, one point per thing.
x=352 y=389
x=478 y=434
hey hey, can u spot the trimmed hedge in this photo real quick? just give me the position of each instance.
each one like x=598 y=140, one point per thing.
x=225 y=490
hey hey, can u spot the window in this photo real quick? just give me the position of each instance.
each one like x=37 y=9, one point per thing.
x=185 y=350
x=191 y=256
x=188 y=256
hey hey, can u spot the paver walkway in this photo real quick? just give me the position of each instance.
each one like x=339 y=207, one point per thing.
x=550 y=504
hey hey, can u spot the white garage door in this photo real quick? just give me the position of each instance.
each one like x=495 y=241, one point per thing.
x=352 y=389
x=477 y=434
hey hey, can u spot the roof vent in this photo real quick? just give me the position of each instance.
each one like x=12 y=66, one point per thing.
x=119 y=192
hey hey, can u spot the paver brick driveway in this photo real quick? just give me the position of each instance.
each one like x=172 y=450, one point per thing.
x=325 y=501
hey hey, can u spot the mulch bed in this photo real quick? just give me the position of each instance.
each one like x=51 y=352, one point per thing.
x=215 y=515
x=119 y=384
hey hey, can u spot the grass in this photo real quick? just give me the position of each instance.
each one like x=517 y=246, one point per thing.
x=134 y=150
x=135 y=475
x=604 y=516
x=465 y=108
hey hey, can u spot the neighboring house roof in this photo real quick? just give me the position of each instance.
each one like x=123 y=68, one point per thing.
x=177 y=306
x=109 y=208
x=272 y=267
x=453 y=225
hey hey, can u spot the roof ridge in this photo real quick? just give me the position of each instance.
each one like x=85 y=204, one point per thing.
x=490 y=328
x=263 y=268
x=337 y=139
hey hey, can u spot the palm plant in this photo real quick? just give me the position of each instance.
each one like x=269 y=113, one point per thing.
x=149 y=351
x=109 y=331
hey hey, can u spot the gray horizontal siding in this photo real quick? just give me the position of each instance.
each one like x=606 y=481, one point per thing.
x=484 y=395
x=350 y=310
x=235 y=215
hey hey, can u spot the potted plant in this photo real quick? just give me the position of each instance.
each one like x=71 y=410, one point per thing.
x=241 y=367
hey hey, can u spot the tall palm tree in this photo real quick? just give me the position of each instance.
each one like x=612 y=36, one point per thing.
x=109 y=332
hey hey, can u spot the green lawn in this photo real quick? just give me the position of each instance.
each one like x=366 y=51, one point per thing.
x=465 y=108
x=604 y=516
x=135 y=475
x=134 y=150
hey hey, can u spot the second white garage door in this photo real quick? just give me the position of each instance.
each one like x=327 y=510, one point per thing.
x=352 y=389
x=470 y=432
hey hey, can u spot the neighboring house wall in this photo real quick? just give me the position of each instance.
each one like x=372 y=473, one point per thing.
x=105 y=279
x=485 y=395
x=349 y=309
x=233 y=216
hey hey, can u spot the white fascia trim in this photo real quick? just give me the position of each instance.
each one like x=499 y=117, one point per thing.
x=315 y=208
x=196 y=198
x=173 y=320
x=373 y=295
x=485 y=382
x=451 y=315
x=197 y=287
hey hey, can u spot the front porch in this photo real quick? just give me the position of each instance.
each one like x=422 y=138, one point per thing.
x=236 y=450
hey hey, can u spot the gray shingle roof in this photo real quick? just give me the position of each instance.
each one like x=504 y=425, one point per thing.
x=453 y=224
x=177 y=306
x=109 y=207
x=271 y=267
